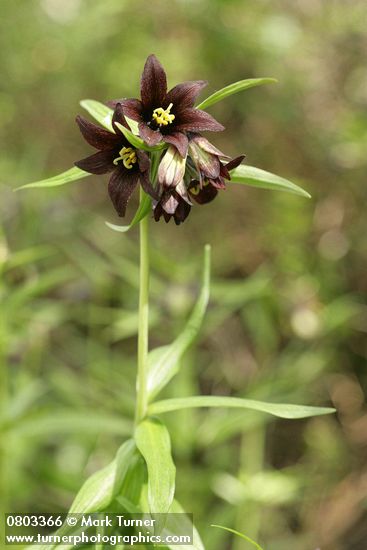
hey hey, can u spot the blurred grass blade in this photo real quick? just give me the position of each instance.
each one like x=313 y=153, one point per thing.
x=73 y=174
x=145 y=207
x=277 y=409
x=257 y=546
x=164 y=361
x=137 y=142
x=234 y=88
x=62 y=421
x=249 y=175
x=103 y=114
x=153 y=441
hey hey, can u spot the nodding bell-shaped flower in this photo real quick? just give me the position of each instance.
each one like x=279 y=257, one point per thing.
x=212 y=171
x=174 y=203
x=128 y=165
x=171 y=168
x=167 y=115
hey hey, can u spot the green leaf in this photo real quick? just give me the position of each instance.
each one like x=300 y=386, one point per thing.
x=101 y=488
x=137 y=142
x=98 y=491
x=276 y=409
x=176 y=508
x=164 y=361
x=234 y=89
x=103 y=114
x=145 y=207
x=257 y=546
x=249 y=175
x=73 y=174
x=153 y=441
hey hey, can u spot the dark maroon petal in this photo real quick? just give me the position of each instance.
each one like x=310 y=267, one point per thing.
x=194 y=120
x=118 y=116
x=143 y=161
x=224 y=172
x=232 y=164
x=150 y=136
x=153 y=86
x=120 y=188
x=133 y=108
x=96 y=137
x=204 y=195
x=178 y=140
x=182 y=211
x=113 y=102
x=184 y=95
x=144 y=167
x=99 y=163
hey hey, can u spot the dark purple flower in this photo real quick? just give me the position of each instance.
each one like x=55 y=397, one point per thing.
x=166 y=115
x=128 y=165
x=212 y=173
x=173 y=203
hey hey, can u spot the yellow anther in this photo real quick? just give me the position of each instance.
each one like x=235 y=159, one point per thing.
x=195 y=190
x=162 y=116
x=128 y=157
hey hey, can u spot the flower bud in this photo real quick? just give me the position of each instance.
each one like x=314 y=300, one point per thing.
x=171 y=168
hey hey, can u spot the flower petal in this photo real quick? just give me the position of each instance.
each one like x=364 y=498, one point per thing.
x=144 y=167
x=121 y=187
x=171 y=168
x=150 y=136
x=133 y=108
x=183 y=95
x=195 y=120
x=234 y=163
x=178 y=140
x=96 y=137
x=153 y=86
x=118 y=116
x=204 y=195
x=182 y=211
x=99 y=163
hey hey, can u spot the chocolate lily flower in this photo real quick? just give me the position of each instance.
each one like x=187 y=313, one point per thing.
x=212 y=171
x=167 y=116
x=115 y=154
x=174 y=203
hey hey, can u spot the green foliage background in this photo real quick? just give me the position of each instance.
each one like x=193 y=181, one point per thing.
x=287 y=320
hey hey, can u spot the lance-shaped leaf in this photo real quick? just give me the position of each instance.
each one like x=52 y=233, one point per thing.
x=254 y=544
x=98 y=491
x=197 y=544
x=66 y=177
x=234 y=89
x=103 y=114
x=137 y=142
x=153 y=441
x=101 y=488
x=276 y=409
x=249 y=175
x=145 y=207
x=164 y=361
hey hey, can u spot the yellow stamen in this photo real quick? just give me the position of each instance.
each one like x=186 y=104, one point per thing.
x=162 y=116
x=195 y=190
x=128 y=157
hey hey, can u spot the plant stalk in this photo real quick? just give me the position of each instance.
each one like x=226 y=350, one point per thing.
x=143 y=327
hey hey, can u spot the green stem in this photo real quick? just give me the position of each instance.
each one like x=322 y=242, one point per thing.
x=141 y=382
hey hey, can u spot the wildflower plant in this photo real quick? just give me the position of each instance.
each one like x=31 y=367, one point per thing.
x=156 y=143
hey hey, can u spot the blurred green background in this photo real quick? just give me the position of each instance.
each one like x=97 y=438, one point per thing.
x=287 y=319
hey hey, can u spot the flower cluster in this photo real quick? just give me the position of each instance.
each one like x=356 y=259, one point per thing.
x=191 y=168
